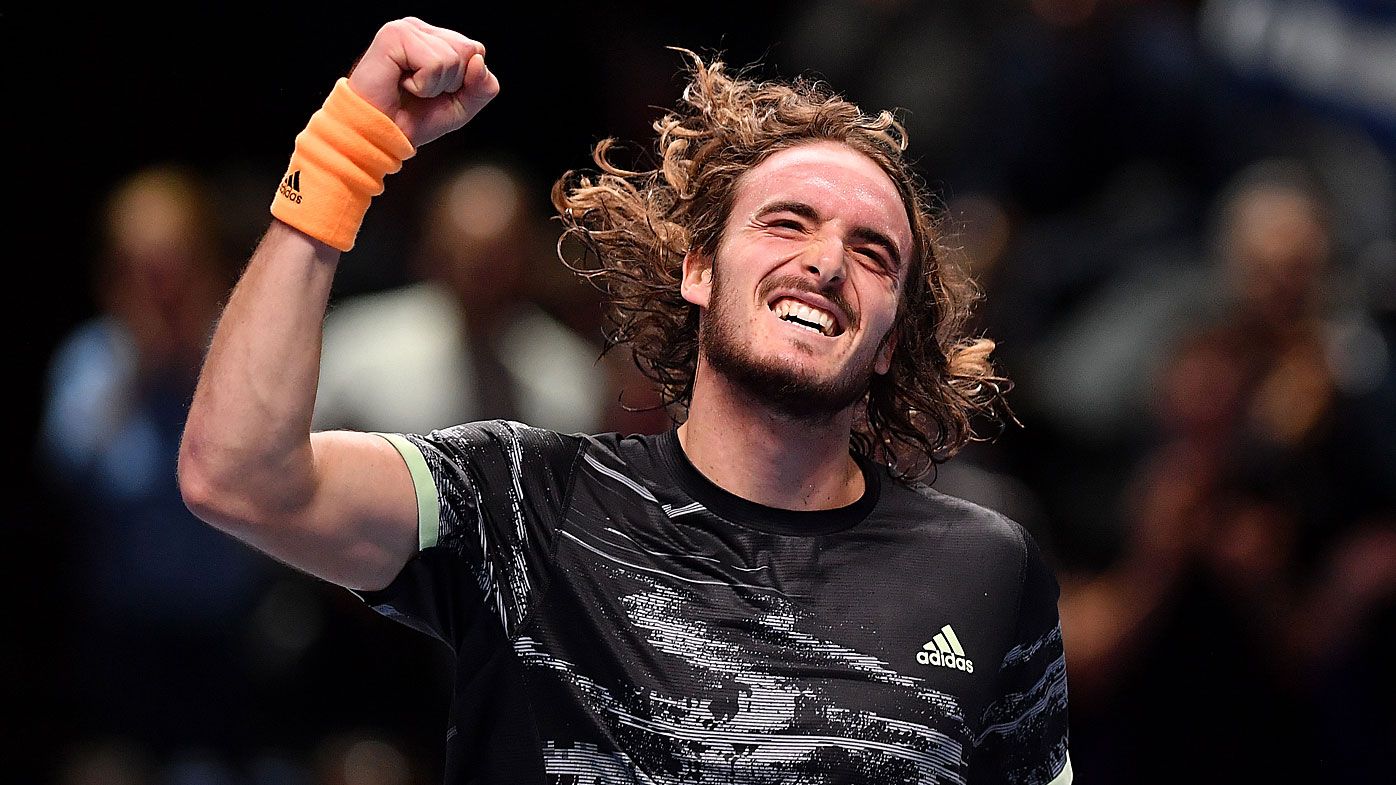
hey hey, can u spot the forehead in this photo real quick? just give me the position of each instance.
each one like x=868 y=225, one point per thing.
x=833 y=178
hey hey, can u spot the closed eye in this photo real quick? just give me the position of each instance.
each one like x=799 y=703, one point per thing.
x=786 y=223
x=877 y=258
x=872 y=255
x=787 y=214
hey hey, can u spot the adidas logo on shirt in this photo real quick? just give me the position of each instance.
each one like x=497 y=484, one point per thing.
x=291 y=186
x=945 y=651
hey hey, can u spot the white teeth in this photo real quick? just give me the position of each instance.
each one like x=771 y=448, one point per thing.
x=789 y=307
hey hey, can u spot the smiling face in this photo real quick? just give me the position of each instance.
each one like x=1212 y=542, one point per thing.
x=800 y=299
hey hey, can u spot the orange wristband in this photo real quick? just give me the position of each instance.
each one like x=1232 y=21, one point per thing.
x=338 y=166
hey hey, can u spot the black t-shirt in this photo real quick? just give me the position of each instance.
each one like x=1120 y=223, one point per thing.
x=618 y=618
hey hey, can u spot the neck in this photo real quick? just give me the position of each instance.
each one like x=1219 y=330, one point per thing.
x=747 y=449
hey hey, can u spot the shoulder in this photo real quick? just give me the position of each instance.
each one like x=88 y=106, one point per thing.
x=981 y=534
x=606 y=446
x=967 y=517
x=514 y=441
x=506 y=465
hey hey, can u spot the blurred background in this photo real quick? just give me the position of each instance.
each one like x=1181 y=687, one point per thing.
x=1182 y=214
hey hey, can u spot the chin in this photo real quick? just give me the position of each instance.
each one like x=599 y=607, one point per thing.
x=788 y=385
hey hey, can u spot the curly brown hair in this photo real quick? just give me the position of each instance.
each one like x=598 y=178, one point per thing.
x=635 y=227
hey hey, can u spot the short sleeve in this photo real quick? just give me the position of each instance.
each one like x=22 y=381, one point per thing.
x=1023 y=732
x=489 y=498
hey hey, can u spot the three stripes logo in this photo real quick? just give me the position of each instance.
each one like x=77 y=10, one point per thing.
x=291 y=186
x=945 y=651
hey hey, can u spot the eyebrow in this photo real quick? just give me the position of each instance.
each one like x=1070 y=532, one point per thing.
x=861 y=233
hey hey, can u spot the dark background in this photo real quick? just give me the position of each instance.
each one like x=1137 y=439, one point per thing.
x=1102 y=132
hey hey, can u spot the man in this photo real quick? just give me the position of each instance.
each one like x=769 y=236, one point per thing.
x=741 y=599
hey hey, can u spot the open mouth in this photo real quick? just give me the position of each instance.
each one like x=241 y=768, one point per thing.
x=800 y=314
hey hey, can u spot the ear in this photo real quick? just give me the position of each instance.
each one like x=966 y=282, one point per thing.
x=882 y=363
x=697 y=284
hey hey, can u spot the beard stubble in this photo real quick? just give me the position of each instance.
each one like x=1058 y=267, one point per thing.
x=787 y=389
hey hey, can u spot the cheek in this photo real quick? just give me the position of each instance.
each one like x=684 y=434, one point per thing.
x=878 y=303
x=882 y=361
x=880 y=320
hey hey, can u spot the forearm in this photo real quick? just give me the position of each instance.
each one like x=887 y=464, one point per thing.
x=246 y=444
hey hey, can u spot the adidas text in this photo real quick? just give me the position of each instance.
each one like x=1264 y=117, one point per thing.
x=945 y=651
x=945 y=660
x=291 y=186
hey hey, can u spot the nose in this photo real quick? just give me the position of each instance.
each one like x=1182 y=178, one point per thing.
x=827 y=261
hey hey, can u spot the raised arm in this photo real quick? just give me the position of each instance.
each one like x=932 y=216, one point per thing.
x=339 y=505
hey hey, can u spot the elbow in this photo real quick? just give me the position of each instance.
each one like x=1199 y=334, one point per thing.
x=195 y=487
x=199 y=488
x=234 y=494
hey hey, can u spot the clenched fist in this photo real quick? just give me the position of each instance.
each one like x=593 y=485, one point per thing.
x=429 y=80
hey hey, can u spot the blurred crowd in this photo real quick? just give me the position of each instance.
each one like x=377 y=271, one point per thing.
x=1183 y=218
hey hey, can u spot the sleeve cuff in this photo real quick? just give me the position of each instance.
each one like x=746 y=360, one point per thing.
x=428 y=503
x=1063 y=777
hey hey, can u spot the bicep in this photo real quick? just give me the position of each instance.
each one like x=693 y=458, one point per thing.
x=359 y=526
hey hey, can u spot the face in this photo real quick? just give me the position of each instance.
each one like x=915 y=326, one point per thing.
x=800 y=299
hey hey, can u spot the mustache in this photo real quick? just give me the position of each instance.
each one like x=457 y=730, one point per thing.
x=802 y=284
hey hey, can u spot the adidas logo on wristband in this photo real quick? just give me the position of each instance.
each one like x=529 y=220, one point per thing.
x=291 y=186
x=345 y=151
